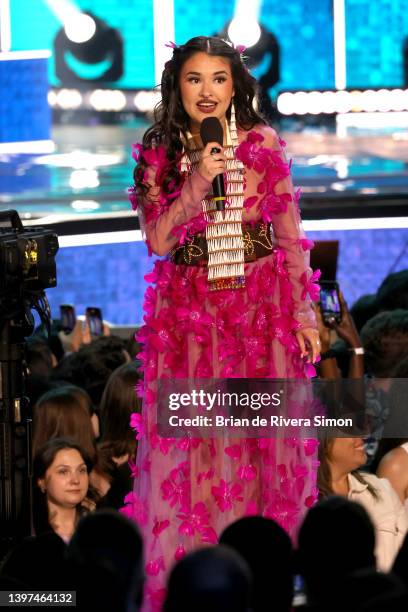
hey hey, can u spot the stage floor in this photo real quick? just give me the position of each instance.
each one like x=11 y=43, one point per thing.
x=362 y=173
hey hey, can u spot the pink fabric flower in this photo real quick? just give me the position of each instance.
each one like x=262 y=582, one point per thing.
x=154 y=567
x=159 y=527
x=306 y=244
x=135 y=508
x=176 y=489
x=180 y=552
x=226 y=495
x=197 y=521
x=234 y=451
x=247 y=472
x=272 y=205
x=283 y=510
x=137 y=423
x=310 y=285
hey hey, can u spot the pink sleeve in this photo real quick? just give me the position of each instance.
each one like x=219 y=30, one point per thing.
x=159 y=219
x=289 y=232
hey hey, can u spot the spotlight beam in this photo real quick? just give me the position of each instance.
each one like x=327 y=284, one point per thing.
x=163 y=32
x=339 y=25
x=5 y=26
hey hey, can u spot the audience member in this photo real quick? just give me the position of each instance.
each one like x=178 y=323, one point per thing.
x=364 y=309
x=118 y=444
x=37 y=563
x=214 y=579
x=338 y=474
x=61 y=480
x=64 y=412
x=393 y=291
x=106 y=561
x=267 y=549
x=336 y=538
x=385 y=341
x=91 y=366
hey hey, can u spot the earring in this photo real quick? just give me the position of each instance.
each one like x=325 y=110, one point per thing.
x=233 y=125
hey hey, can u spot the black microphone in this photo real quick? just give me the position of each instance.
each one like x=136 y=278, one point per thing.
x=211 y=131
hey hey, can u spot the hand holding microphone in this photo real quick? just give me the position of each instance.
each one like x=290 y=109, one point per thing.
x=212 y=164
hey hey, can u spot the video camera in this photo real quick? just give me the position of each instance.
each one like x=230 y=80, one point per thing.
x=27 y=268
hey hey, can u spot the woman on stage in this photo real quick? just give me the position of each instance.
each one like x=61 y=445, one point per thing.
x=232 y=299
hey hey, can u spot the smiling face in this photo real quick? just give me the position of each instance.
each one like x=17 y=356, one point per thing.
x=66 y=480
x=206 y=87
x=347 y=454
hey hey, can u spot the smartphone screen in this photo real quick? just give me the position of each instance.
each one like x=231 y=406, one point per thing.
x=95 y=321
x=330 y=301
x=68 y=317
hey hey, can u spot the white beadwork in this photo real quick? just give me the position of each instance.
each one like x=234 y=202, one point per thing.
x=225 y=242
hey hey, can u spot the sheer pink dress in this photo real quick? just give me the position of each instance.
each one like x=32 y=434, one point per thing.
x=187 y=490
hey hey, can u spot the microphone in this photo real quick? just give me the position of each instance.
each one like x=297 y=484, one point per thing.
x=211 y=131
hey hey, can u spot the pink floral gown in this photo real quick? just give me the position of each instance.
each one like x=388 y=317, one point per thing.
x=187 y=490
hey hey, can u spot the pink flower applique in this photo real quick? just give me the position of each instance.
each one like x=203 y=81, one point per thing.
x=226 y=495
x=137 y=150
x=156 y=598
x=134 y=470
x=159 y=527
x=137 y=423
x=234 y=451
x=156 y=441
x=272 y=205
x=283 y=510
x=186 y=443
x=282 y=143
x=132 y=197
x=312 y=498
x=310 y=285
x=135 y=508
x=250 y=202
x=310 y=446
x=251 y=509
x=208 y=475
x=180 y=552
x=155 y=567
x=150 y=300
x=176 y=489
x=305 y=244
x=251 y=154
x=197 y=521
x=247 y=472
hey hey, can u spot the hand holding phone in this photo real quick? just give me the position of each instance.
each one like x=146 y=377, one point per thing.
x=330 y=304
x=68 y=317
x=94 y=320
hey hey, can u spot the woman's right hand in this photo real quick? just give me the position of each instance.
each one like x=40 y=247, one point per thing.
x=211 y=165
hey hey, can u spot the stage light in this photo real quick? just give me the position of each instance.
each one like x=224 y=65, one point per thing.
x=80 y=29
x=84 y=179
x=87 y=50
x=244 y=28
x=145 y=101
x=68 y=99
x=52 y=98
x=5 y=26
x=107 y=100
x=85 y=205
x=245 y=33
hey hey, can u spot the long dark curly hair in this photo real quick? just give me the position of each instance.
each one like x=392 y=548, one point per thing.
x=171 y=121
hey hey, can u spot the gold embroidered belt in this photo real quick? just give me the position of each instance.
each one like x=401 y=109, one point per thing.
x=258 y=243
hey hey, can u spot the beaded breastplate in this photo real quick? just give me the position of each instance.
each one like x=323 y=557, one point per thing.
x=225 y=241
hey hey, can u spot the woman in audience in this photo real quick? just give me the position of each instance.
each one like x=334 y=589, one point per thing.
x=391 y=460
x=118 y=445
x=66 y=412
x=338 y=474
x=61 y=478
x=119 y=401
